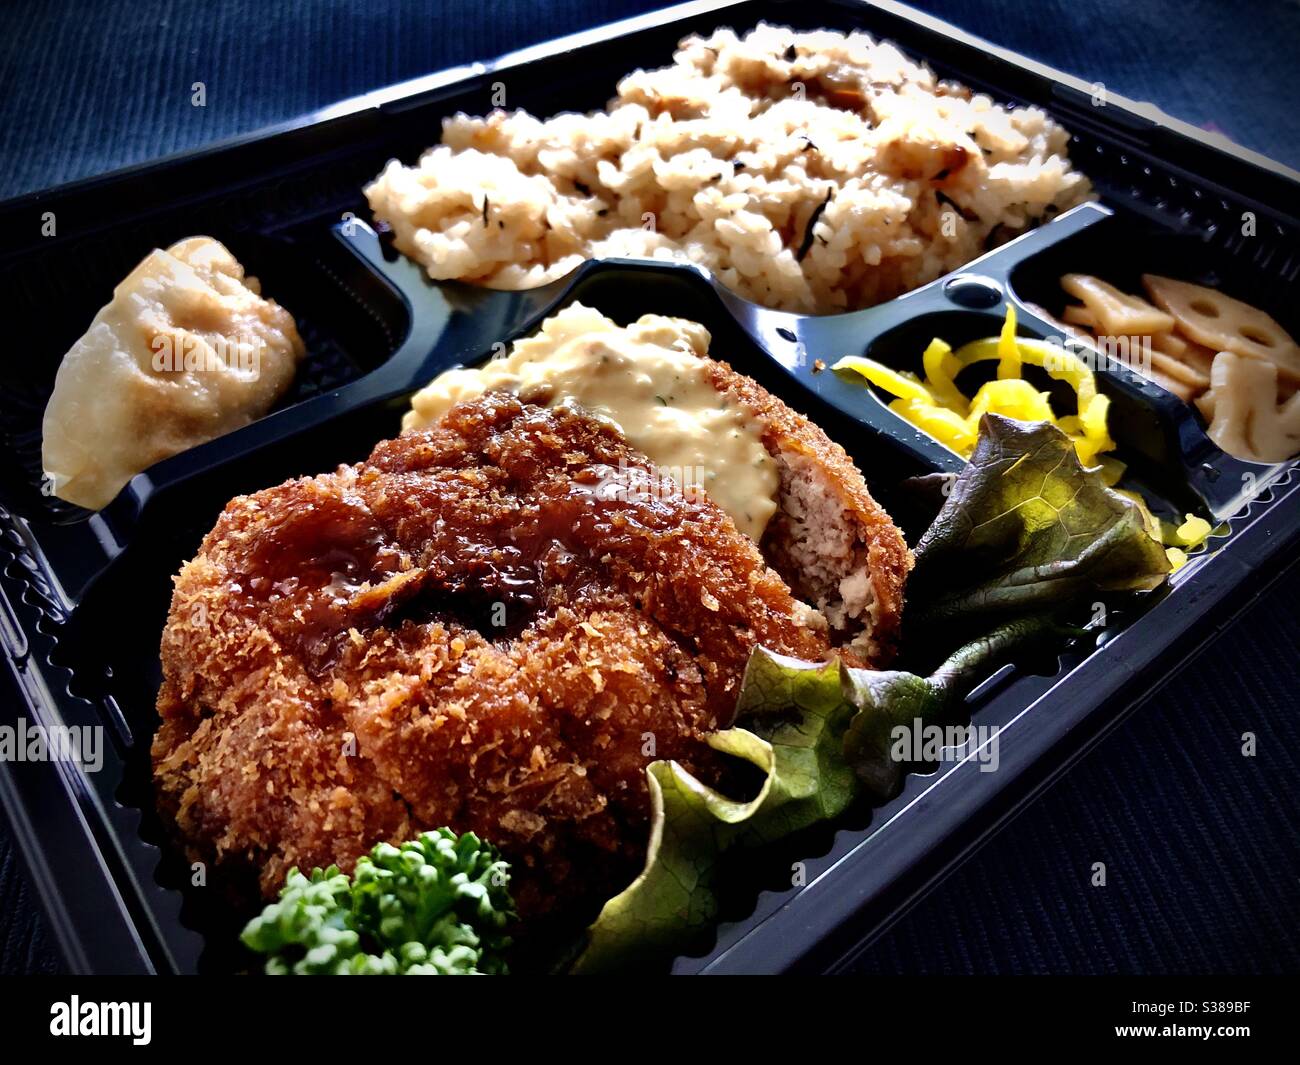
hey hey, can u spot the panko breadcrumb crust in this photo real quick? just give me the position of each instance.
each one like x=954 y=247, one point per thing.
x=333 y=673
x=494 y=624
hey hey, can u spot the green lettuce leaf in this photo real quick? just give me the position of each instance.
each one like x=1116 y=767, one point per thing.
x=690 y=829
x=800 y=709
x=820 y=734
x=1026 y=529
x=887 y=699
x=798 y=716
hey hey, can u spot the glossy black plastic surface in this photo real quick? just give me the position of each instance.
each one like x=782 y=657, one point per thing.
x=83 y=596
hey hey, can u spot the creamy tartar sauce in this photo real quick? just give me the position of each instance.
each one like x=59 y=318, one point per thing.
x=649 y=380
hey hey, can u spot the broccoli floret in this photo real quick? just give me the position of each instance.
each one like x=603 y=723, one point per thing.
x=436 y=906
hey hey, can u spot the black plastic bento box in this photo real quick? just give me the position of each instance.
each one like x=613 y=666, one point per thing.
x=83 y=595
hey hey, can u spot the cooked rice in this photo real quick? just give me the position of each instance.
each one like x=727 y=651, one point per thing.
x=813 y=172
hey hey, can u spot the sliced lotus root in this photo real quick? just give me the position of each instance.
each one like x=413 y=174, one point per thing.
x=1197 y=356
x=1116 y=313
x=1222 y=323
x=1181 y=389
x=1076 y=314
x=1180 y=371
x=1076 y=330
x=1171 y=344
x=1248 y=423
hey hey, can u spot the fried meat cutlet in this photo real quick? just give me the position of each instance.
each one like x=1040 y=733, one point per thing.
x=820 y=528
x=479 y=627
x=833 y=543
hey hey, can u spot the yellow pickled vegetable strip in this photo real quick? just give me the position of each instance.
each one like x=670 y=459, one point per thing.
x=1093 y=417
x=946 y=426
x=1060 y=364
x=1015 y=398
x=936 y=405
x=1112 y=470
x=903 y=385
x=1086 y=449
x=1008 y=350
x=1163 y=532
x=940 y=375
x=1194 y=531
x=1096 y=438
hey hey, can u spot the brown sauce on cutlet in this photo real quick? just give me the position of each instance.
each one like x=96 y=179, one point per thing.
x=336 y=567
x=477 y=627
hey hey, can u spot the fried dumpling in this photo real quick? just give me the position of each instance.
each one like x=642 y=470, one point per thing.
x=187 y=349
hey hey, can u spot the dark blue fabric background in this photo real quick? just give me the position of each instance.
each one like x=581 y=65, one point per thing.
x=1199 y=842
